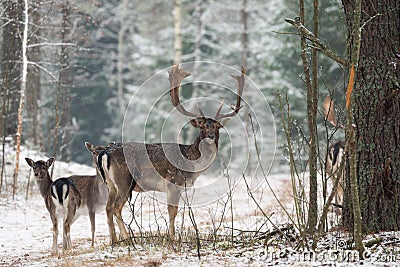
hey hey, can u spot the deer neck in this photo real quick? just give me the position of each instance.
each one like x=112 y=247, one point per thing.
x=44 y=184
x=195 y=150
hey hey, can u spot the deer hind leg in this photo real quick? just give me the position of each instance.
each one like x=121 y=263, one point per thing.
x=67 y=244
x=68 y=219
x=172 y=212
x=110 y=213
x=119 y=205
x=339 y=194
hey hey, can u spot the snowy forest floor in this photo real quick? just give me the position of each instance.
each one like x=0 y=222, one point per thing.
x=26 y=236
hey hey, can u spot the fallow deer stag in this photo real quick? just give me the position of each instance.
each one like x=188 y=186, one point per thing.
x=335 y=153
x=148 y=167
x=68 y=197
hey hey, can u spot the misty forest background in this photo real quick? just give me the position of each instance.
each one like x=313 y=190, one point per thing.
x=87 y=59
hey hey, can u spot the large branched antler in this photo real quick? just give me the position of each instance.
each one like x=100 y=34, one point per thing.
x=235 y=109
x=176 y=75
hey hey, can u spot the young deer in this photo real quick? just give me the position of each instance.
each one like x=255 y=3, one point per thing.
x=335 y=152
x=92 y=189
x=165 y=167
x=62 y=200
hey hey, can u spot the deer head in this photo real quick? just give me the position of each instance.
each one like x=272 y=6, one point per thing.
x=209 y=127
x=40 y=167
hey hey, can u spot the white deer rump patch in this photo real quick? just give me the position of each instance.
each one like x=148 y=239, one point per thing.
x=60 y=208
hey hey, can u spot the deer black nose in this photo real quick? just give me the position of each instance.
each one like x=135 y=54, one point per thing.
x=211 y=135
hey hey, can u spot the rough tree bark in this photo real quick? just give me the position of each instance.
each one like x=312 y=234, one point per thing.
x=376 y=115
x=63 y=98
x=311 y=81
x=11 y=61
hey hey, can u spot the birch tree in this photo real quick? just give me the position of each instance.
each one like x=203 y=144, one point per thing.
x=22 y=95
x=177 y=14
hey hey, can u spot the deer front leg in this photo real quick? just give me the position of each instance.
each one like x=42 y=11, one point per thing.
x=173 y=196
x=119 y=205
x=55 y=235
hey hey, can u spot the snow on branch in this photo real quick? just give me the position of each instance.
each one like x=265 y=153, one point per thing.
x=316 y=41
x=51 y=44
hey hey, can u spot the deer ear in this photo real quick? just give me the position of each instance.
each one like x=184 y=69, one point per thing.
x=30 y=162
x=49 y=162
x=195 y=122
x=90 y=147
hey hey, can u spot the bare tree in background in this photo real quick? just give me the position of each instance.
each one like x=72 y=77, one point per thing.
x=62 y=125
x=22 y=94
x=11 y=59
x=244 y=34
x=10 y=72
x=33 y=127
x=121 y=56
x=177 y=13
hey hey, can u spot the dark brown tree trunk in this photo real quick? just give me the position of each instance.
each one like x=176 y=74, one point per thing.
x=376 y=115
x=63 y=132
x=11 y=63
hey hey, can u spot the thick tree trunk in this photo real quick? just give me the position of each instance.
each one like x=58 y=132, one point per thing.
x=376 y=115
x=63 y=133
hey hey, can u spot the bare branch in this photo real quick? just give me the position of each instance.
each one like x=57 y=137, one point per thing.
x=316 y=41
x=43 y=69
x=50 y=44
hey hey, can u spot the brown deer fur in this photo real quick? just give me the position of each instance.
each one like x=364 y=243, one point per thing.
x=334 y=157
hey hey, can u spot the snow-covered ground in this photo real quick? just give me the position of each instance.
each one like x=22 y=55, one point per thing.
x=26 y=235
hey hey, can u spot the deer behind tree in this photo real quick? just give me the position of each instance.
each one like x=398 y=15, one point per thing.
x=335 y=153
